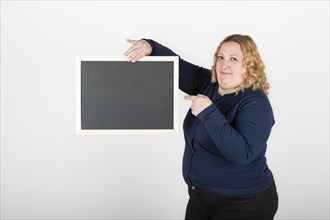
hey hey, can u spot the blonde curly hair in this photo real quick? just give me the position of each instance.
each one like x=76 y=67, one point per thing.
x=255 y=75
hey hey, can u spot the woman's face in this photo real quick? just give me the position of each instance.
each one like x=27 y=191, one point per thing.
x=229 y=67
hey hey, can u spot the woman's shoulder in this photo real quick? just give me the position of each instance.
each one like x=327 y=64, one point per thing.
x=252 y=93
x=254 y=97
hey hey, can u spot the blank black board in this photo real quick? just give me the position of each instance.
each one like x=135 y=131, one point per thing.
x=117 y=96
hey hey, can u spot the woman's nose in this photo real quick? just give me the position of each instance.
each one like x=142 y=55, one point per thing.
x=225 y=64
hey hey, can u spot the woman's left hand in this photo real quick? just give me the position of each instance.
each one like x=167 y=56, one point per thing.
x=198 y=103
x=139 y=49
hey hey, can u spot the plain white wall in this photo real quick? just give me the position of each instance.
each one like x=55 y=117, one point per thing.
x=47 y=171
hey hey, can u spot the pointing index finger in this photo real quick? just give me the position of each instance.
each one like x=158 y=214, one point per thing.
x=190 y=97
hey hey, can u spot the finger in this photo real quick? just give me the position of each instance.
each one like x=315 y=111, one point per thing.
x=133 y=47
x=135 y=56
x=131 y=41
x=138 y=56
x=130 y=50
x=190 y=97
x=200 y=95
x=187 y=97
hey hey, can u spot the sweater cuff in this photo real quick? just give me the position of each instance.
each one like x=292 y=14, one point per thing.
x=204 y=115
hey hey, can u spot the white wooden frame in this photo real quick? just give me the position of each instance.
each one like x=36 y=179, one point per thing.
x=81 y=131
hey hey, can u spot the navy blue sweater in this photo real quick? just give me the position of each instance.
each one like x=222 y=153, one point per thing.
x=225 y=144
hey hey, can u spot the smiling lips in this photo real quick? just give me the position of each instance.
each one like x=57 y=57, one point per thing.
x=225 y=73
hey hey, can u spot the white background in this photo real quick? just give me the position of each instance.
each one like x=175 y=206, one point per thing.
x=47 y=171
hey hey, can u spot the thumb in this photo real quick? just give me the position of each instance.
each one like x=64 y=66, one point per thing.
x=131 y=41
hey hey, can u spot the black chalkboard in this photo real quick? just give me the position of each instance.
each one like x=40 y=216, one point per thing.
x=120 y=96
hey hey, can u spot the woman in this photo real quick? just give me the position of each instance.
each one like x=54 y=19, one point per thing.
x=226 y=131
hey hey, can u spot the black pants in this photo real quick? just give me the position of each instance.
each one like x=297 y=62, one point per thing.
x=207 y=206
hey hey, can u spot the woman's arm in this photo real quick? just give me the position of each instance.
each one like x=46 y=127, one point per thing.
x=246 y=138
x=193 y=79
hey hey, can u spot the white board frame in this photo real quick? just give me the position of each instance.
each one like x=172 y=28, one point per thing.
x=80 y=131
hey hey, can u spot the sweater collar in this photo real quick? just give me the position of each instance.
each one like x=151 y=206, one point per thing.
x=223 y=92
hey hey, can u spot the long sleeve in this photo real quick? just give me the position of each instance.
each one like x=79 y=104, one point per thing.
x=243 y=140
x=193 y=79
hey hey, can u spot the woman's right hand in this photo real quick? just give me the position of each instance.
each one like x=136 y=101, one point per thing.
x=139 y=49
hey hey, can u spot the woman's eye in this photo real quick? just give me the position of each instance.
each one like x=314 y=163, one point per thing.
x=220 y=57
x=233 y=59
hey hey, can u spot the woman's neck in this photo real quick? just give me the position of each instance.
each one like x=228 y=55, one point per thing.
x=227 y=91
